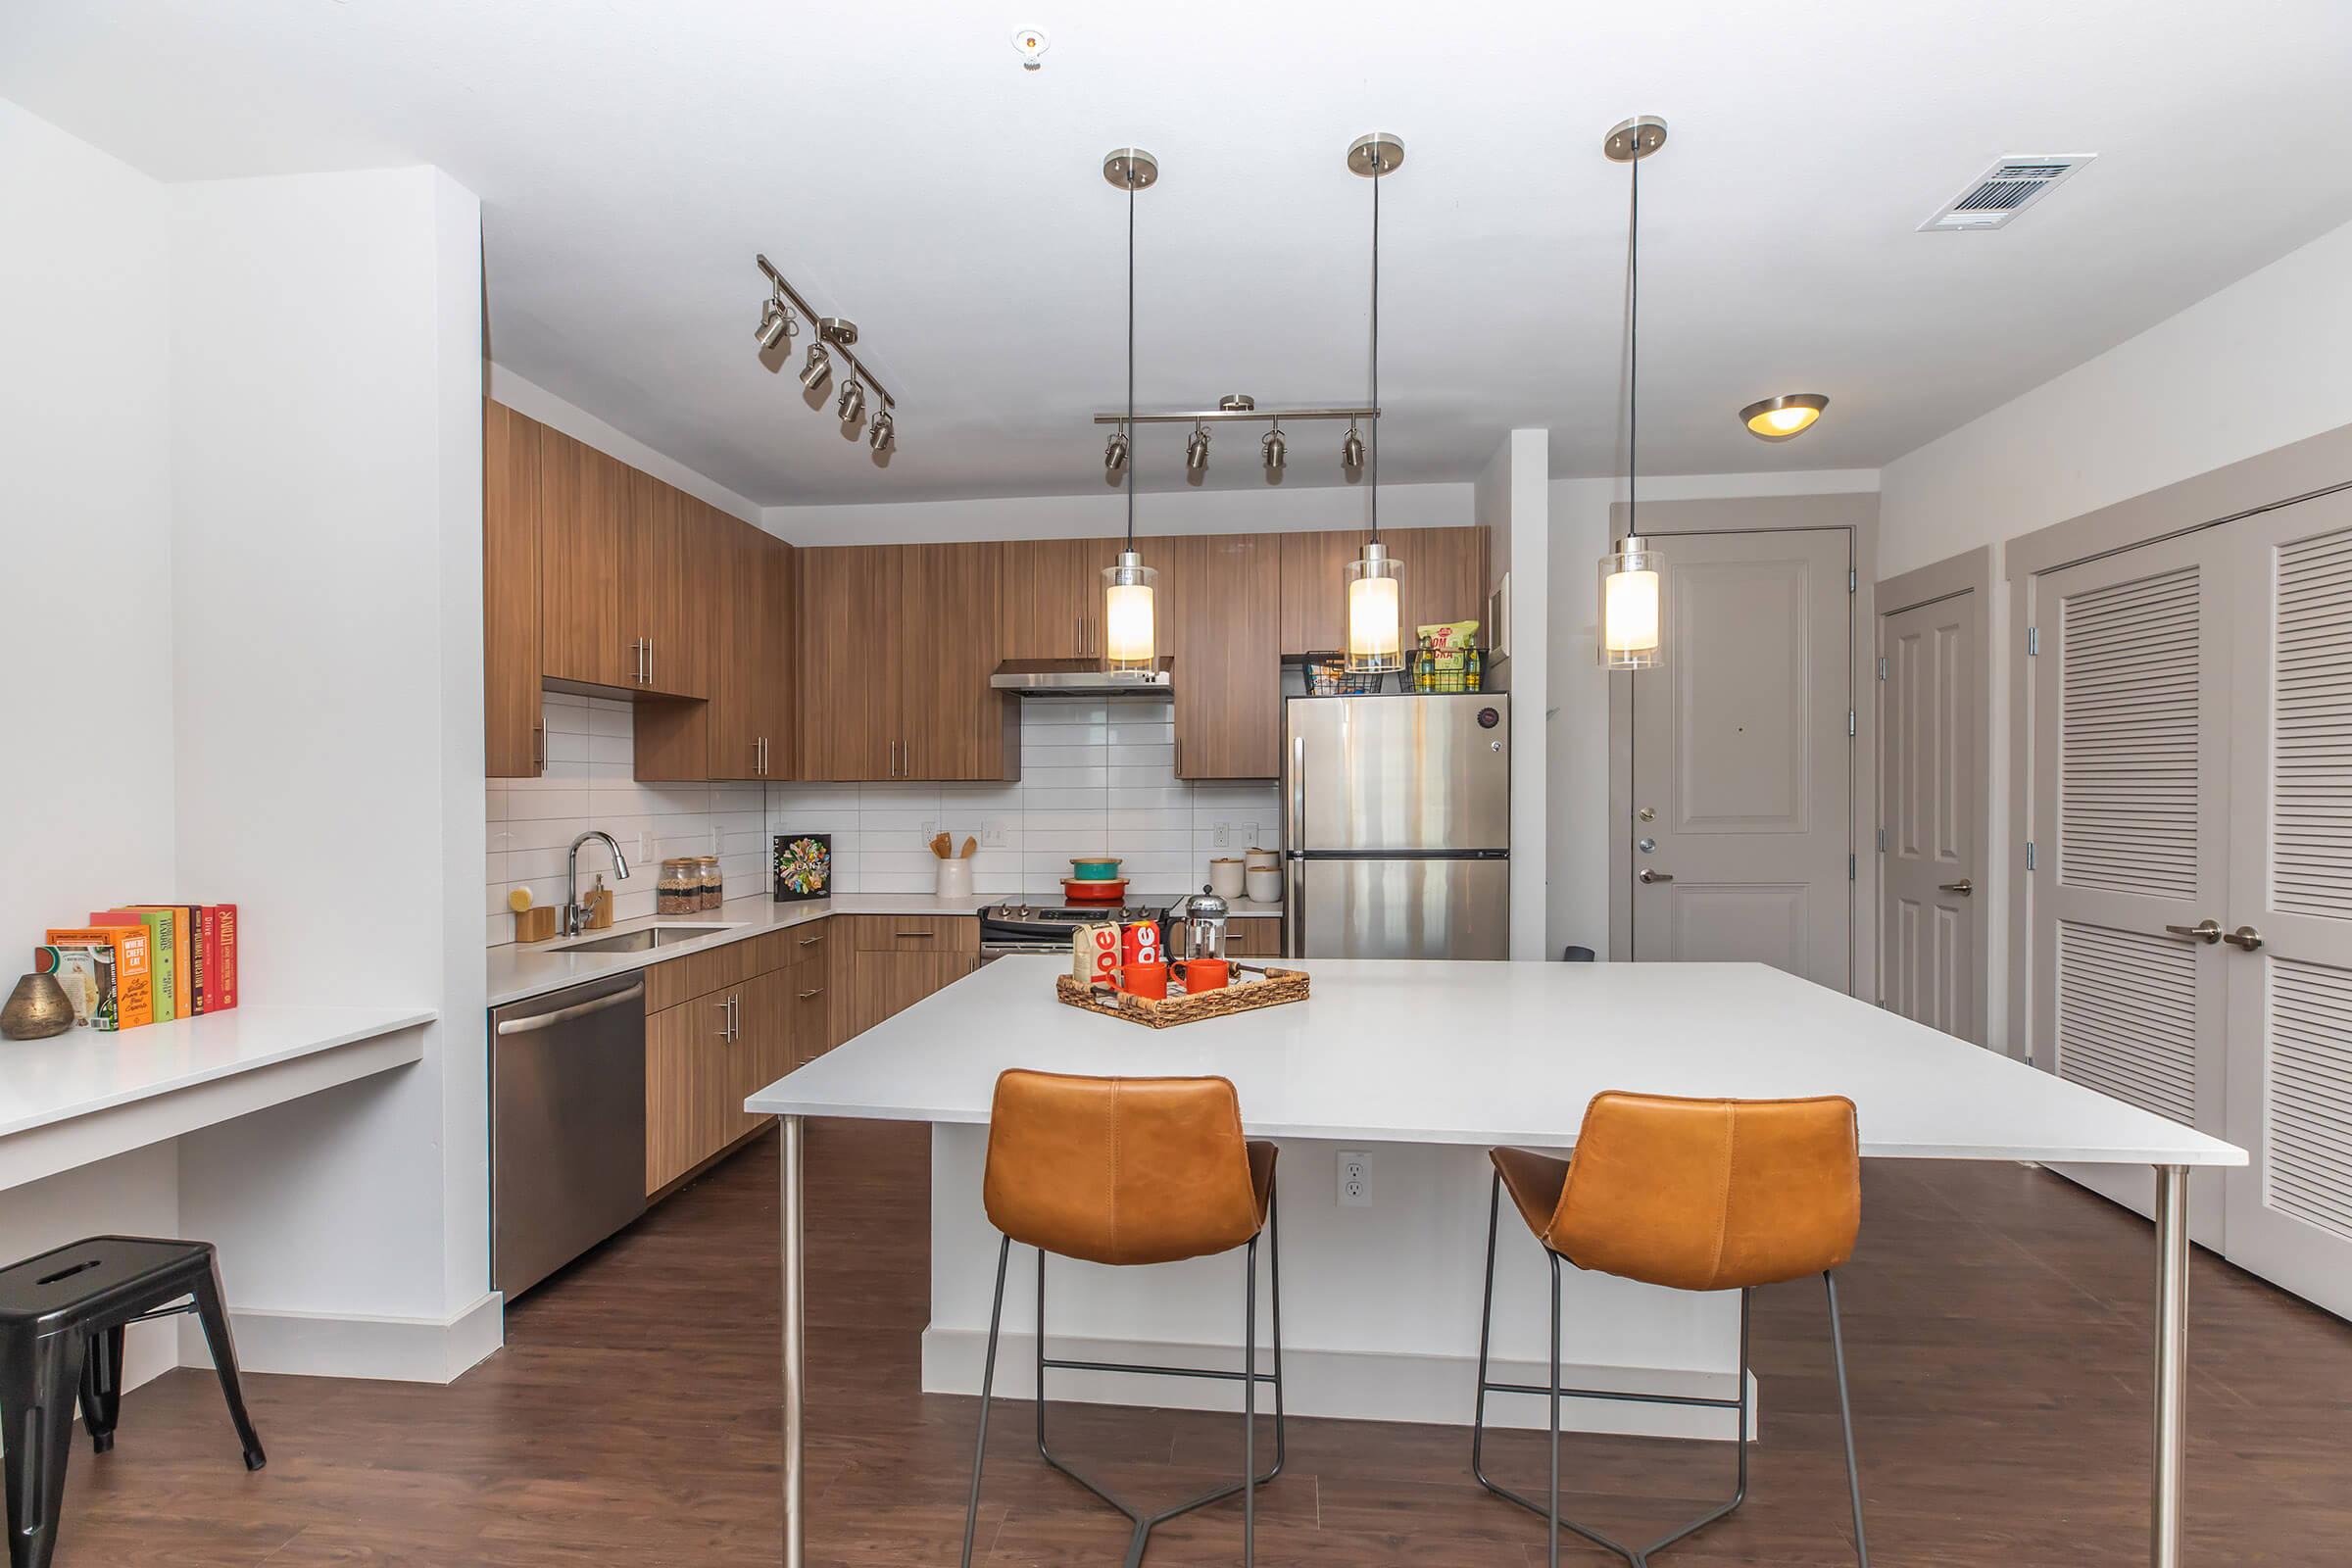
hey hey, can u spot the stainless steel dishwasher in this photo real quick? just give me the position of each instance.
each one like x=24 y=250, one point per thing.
x=566 y=1126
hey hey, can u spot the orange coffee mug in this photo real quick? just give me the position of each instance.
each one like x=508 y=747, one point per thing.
x=1146 y=980
x=1206 y=974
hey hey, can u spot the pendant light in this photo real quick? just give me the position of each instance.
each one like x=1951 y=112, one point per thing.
x=1130 y=633
x=1375 y=643
x=1632 y=597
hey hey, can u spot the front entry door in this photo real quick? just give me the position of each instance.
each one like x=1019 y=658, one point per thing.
x=1930 y=878
x=1741 y=753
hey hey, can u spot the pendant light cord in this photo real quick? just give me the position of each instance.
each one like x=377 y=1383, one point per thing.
x=1374 y=474
x=1632 y=391
x=1129 y=430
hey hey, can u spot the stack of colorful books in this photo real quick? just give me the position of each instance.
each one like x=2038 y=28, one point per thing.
x=145 y=964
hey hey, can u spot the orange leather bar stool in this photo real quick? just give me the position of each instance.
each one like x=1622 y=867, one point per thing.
x=1695 y=1195
x=1129 y=1171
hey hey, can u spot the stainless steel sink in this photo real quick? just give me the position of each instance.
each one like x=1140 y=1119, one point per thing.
x=643 y=941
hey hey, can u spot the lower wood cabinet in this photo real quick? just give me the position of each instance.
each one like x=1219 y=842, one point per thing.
x=889 y=983
x=691 y=1067
x=1254 y=936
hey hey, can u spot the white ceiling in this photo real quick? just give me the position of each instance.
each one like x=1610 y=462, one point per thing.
x=900 y=166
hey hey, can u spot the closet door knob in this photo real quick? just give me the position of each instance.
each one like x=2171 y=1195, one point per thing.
x=2246 y=937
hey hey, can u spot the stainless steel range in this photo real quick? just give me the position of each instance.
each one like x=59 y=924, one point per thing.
x=1006 y=929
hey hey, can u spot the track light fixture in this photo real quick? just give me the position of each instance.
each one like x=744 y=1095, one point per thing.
x=780 y=317
x=1196 y=449
x=1276 y=451
x=1114 y=455
x=1352 y=450
x=776 y=322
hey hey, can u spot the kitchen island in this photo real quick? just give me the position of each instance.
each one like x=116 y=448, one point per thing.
x=1424 y=1067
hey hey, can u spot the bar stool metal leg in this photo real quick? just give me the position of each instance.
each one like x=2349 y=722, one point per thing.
x=1248 y=1376
x=988 y=1382
x=1638 y=1556
x=1845 y=1416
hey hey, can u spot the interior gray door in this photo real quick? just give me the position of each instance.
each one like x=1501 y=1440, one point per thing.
x=1930 y=876
x=1417 y=909
x=1741 y=755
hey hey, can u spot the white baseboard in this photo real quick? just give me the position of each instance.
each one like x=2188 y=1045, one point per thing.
x=1345 y=1384
x=401 y=1350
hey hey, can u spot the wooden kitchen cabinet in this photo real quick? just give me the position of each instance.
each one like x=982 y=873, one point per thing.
x=1052 y=597
x=690 y=1068
x=515 y=742
x=666 y=580
x=889 y=983
x=896 y=645
x=1256 y=935
x=1224 y=615
x=1314 y=593
x=583 y=516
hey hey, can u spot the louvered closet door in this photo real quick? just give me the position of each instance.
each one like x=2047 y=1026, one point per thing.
x=2130 y=777
x=2290 y=1000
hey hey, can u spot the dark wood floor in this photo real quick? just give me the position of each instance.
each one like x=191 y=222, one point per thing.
x=1998 y=1323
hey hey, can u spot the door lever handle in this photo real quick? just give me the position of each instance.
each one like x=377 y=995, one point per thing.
x=1964 y=887
x=2246 y=936
x=1647 y=875
x=2208 y=932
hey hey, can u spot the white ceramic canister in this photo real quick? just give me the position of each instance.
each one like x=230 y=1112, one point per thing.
x=1263 y=860
x=1225 y=877
x=1265 y=886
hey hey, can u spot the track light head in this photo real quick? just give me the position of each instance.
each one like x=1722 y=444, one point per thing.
x=775 y=324
x=1352 y=450
x=1196 y=449
x=884 y=432
x=1277 y=450
x=813 y=374
x=1114 y=455
x=851 y=407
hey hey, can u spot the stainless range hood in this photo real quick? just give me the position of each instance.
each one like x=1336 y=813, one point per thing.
x=1081 y=678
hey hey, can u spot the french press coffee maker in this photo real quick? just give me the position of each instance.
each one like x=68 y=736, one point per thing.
x=1205 y=915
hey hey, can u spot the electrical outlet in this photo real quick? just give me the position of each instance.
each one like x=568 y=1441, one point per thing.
x=1355 y=1179
x=1224 y=835
x=928 y=831
x=992 y=835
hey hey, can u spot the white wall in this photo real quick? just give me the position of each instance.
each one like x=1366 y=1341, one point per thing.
x=326 y=463
x=2256 y=365
x=1577 y=902
x=85 y=518
x=1259 y=509
x=1512 y=499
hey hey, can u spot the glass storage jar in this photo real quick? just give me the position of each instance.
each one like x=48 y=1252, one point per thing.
x=712 y=882
x=679 y=890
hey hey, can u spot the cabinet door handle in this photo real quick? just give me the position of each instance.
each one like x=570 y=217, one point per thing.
x=726 y=1019
x=818 y=992
x=649 y=660
x=916 y=936
x=811 y=942
x=2208 y=932
x=539 y=748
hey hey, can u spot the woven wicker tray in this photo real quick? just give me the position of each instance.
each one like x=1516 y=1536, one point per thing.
x=1278 y=987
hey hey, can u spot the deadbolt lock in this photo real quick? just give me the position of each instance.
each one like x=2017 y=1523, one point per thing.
x=1647 y=814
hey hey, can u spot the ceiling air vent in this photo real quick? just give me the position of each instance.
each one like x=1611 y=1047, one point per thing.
x=2005 y=190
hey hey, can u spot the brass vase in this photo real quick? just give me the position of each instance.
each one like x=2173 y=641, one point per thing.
x=36 y=1010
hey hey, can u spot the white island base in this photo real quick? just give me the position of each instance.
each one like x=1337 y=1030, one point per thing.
x=1380 y=1308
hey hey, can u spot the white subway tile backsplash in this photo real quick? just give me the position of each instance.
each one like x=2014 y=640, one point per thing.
x=1097 y=778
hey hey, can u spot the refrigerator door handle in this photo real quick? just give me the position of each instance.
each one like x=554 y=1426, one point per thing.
x=1298 y=834
x=1293 y=899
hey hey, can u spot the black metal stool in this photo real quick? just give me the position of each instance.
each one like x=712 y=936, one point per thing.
x=62 y=1317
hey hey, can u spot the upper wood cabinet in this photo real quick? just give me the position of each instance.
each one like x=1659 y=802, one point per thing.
x=1443 y=572
x=1224 y=600
x=1052 y=597
x=1314 y=593
x=665 y=588
x=583 y=515
x=514 y=744
x=750 y=733
x=896 y=645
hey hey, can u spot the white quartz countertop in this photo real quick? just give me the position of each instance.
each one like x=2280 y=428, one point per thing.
x=1479 y=1053
x=518 y=970
x=230 y=1062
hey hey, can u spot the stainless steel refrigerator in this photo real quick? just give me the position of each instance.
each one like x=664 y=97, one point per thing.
x=1396 y=834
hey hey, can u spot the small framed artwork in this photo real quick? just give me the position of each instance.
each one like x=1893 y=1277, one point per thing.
x=803 y=866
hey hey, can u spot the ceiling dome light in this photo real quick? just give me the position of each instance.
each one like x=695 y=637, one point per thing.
x=1788 y=415
x=819 y=367
x=885 y=432
x=851 y=407
x=1196 y=449
x=1276 y=451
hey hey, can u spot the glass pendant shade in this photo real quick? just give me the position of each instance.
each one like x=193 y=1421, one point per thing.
x=1632 y=606
x=1130 y=635
x=1375 y=641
